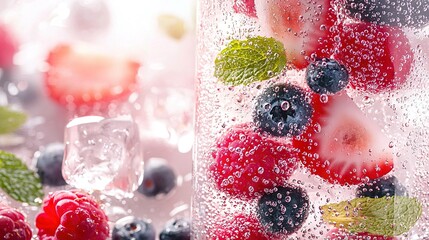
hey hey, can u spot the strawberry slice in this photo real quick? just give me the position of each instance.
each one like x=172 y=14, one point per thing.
x=304 y=27
x=379 y=58
x=342 y=145
x=80 y=75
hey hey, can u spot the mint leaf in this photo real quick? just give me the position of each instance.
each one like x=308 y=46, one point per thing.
x=10 y=120
x=251 y=60
x=18 y=181
x=391 y=216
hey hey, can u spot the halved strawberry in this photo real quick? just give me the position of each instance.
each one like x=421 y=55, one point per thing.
x=304 y=27
x=342 y=145
x=379 y=58
x=81 y=75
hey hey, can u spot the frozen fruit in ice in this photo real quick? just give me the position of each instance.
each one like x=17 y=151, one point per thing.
x=177 y=229
x=339 y=234
x=283 y=110
x=158 y=178
x=103 y=154
x=342 y=145
x=379 y=58
x=71 y=215
x=386 y=186
x=326 y=76
x=284 y=209
x=306 y=28
x=407 y=13
x=239 y=227
x=83 y=75
x=246 y=7
x=49 y=164
x=8 y=47
x=13 y=224
x=247 y=162
x=132 y=228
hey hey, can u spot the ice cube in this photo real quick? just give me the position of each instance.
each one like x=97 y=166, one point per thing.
x=103 y=154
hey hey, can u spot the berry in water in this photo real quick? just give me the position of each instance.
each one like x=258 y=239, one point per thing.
x=159 y=178
x=13 y=225
x=283 y=110
x=132 y=228
x=177 y=229
x=378 y=58
x=239 y=227
x=387 y=186
x=402 y=13
x=49 y=164
x=326 y=76
x=284 y=209
x=71 y=215
x=248 y=162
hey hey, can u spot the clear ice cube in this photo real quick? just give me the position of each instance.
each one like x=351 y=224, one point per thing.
x=103 y=154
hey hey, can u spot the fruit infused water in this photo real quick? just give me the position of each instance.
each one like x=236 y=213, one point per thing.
x=311 y=120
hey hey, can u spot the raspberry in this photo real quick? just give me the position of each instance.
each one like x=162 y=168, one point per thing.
x=13 y=224
x=247 y=162
x=71 y=215
x=240 y=227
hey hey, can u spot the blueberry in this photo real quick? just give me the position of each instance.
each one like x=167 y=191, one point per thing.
x=178 y=229
x=132 y=228
x=284 y=209
x=49 y=164
x=381 y=187
x=158 y=178
x=407 y=13
x=282 y=110
x=326 y=76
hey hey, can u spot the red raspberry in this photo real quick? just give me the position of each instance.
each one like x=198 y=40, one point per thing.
x=71 y=215
x=13 y=224
x=239 y=227
x=247 y=162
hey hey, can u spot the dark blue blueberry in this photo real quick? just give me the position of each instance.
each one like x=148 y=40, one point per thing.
x=49 y=164
x=326 y=76
x=406 y=13
x=284 y=210
x=132 y=228
x=178 y=229
x=158 y=178
x=283 y=110
x=381 y=187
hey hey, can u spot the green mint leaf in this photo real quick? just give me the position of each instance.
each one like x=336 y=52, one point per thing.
x=391 y=216
x=10 y=120
x=251 y=60
x=18 y=181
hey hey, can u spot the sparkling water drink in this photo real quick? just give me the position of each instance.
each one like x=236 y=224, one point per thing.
x=311 y=120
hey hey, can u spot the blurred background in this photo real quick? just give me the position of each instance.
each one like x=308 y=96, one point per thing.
x=159 y=36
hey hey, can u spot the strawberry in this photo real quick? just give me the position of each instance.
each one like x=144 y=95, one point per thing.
x=248 y=162
x=378 y=58
x=342 y=145
x=81 y=75
x=338 y=234
x=306 y=28
x=8 y=47
x=246 y=7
